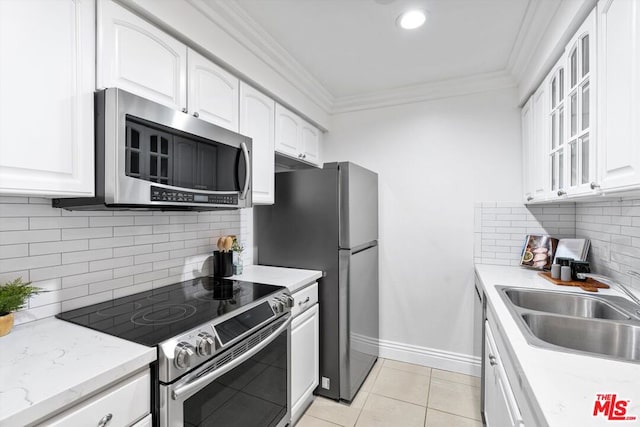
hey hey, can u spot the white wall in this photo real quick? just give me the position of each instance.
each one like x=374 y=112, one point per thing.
x=435 y=160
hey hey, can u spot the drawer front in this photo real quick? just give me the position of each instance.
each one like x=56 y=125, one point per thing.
x=126 y=402
x=304 y=298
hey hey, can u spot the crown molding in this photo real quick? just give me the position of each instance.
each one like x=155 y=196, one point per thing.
x=238 y=24
x=425 y=92
x=535 y=22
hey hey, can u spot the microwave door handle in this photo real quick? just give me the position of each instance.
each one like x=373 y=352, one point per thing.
x=247 y=176
x=188 y=389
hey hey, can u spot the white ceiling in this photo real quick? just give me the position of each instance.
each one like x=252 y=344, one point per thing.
x=354 y=48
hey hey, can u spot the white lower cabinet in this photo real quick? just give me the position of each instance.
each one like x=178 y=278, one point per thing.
x=305 y=355
x=47 y=80
x=127 y=403
x=500 y=406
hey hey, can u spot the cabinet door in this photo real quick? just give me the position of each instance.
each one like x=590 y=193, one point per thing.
x=138 y=57
x=526 y=117
x=257 y=120
x=500 y=406
x=580 y=135
x=539 y=173
x=46 y=103
x=213 y=92
x=618 y=94
x=556 y=128
x=119 y=406
x=304 y=358
x=310 y=142
x=287 y=132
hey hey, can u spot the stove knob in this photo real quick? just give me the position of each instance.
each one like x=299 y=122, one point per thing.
x=289 y=300
x=183 y=354
x=206 y=344
x=281 y=304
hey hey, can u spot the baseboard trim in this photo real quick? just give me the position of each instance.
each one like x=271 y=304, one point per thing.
x=439 y=359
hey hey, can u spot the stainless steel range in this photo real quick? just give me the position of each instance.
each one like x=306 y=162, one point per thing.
x=223 y=349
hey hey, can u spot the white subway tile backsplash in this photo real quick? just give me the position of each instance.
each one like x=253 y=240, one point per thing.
x=85 y=279
x=86 y=233
x=59 y=271
x=58 y=247
x=134 y=230
x=43 y=223
x=109 y=264
x=93 y=255
x=28 y=236
x=84 y=257
x=106 y=221
x=14 y=251
x=612 y=226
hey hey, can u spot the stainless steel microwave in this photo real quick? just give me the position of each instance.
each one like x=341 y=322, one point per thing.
x=152 y=157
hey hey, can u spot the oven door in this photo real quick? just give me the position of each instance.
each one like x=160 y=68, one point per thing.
x=248 y=385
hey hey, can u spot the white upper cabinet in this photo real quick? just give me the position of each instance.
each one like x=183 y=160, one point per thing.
x=311 y=146
x=618 y=94
x=527 y=146
x=539 y=150
x=287 y=132
x=257 y=121
x=297 y=138
x=139 y=58
x=213 y=92
x=556 y=111
x=47 y=82
x=581 y=108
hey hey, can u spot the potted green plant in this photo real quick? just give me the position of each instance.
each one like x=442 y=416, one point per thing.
x=13 y=297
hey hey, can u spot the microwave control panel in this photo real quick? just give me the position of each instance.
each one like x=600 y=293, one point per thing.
x=160 y=194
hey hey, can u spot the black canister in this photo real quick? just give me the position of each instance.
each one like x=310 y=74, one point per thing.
x=222 y=264
x=564 y=262
x=579 y=267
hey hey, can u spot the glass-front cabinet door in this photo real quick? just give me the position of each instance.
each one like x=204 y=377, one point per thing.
x=557 y=127
x=580 y=102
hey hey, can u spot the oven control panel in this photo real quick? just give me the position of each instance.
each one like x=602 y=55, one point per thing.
x=184 y=352
x=161 y=194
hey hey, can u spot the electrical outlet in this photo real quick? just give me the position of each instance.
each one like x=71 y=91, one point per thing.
x=326 y=384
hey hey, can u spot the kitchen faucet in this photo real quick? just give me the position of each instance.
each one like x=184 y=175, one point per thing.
x=609 y=281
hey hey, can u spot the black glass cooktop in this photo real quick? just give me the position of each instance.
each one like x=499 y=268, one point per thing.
x=154 y=316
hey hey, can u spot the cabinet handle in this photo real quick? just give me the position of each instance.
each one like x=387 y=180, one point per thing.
x=105 y=420
x=304 y=156
x=594 y=185
x=196 y=114
x=561 y=192
x=492 y=360
x=303 y=302
x=300 y=155
x=184 y=110
x=529 y=198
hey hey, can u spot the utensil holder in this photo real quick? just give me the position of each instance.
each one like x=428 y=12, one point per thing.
x=222 y=264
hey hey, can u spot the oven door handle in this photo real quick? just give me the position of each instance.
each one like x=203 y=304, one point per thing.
x=188 y=388
x=247 y=175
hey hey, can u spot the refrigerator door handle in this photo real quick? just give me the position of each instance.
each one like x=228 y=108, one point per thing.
x=363 y=247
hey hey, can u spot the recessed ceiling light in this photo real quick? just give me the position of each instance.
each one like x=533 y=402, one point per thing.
x=412 y=19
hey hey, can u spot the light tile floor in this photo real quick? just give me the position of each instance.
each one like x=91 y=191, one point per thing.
x=398 y=394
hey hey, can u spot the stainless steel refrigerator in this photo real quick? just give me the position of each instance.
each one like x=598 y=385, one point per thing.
x=327 y=219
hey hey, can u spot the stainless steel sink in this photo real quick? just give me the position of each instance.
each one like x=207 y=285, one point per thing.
x=613 y=339
x=597 y=325
x=565 y=303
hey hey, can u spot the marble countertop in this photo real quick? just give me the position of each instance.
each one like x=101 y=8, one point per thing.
x=293 y=278
x=51 y=364
x=565 y=385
